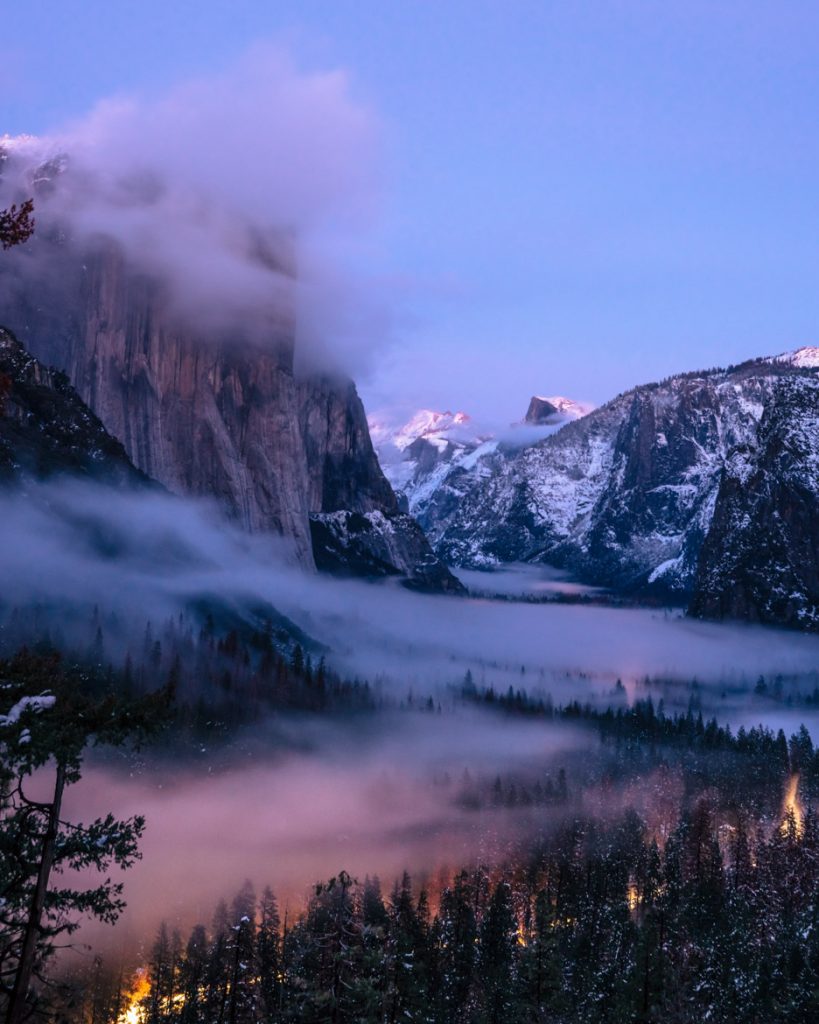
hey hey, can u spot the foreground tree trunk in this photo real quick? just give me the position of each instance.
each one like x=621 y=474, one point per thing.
x=17 y=1009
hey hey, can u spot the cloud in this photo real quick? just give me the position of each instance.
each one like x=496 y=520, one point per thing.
x=70 y=543
x=223 y=189
x=366 y=797
x=297 y=798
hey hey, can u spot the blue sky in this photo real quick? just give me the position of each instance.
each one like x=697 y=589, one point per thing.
x=581 y=196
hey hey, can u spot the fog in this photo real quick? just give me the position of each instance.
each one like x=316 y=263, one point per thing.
x=149 y=554
x=523 y=580
x=222 y=189
x=301 y=797
x=368 y=799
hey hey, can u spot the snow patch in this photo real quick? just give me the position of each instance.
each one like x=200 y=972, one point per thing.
x=36 y=704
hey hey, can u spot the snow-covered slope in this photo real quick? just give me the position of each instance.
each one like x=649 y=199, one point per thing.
x=702 y=487
x=418 y=455
x=425 y=457
x=807 y=357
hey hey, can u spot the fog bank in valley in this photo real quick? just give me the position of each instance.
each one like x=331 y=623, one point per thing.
x=302 y=798
x=148 y=555
x=363 y=797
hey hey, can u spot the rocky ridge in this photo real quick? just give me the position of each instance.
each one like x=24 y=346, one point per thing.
x=701 y=489
x=46 y=430
x=428 y=459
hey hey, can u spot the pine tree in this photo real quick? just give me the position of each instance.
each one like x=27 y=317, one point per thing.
x=218 y=967
x=457 y=933
x=240 y=958
x=192 y=977
x=269 y=957
x=47 y=722
x=497 y=961
x=16 y=224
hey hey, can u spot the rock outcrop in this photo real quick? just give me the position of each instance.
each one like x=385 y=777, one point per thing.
x=46 y=430
x=376 y=545
x=540 y=410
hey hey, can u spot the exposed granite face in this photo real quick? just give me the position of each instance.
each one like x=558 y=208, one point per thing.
x=213 y=418
x=344 y=470
x=46 y=429
x=760 y=559
x=218 y=417
x=660 y=480
x=540 y=411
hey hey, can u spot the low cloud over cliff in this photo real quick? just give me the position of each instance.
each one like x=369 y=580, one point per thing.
x=222 y=189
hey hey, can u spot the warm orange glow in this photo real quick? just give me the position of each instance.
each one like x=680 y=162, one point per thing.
x=134 y=1013
x=632 y=896
x=791 y=805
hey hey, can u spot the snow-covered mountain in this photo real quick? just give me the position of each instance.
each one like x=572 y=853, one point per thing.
x=704 y=488
x=421 y=457
x=806 y=357
x=555 y=409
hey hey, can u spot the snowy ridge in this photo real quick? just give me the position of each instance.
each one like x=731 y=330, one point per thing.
x=417 y=456
x=424 y=457
x=806 y=357
x=430 y=425
x=702 y=489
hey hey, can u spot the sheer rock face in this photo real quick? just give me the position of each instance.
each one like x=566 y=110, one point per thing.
x=540 y=410
x=213 y=417
x=345 y=473
x=204 y=418
x=760 y=559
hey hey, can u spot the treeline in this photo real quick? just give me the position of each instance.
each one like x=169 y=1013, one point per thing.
x=223 y=667
x=600 y=924
x=641 y=736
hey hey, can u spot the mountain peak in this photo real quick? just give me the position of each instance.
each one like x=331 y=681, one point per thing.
x=553 y=408
x=806 y=357
x=425 y=423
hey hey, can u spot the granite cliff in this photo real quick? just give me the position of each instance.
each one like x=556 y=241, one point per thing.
x=213 y=414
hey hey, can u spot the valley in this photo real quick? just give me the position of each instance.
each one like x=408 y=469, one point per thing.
x=409 y=515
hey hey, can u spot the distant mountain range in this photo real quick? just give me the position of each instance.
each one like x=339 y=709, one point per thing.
x=701 y=489
x=418 y=457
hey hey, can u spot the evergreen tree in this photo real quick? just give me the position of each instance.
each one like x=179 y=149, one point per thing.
x=497 y=961
x=456 y=936
x=47 y=722
x=269 y=957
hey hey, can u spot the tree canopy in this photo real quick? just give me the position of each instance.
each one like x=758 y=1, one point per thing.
x=48 y=718
x=16 y=224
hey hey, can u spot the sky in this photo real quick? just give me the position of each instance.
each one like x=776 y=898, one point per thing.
x=574 y=197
